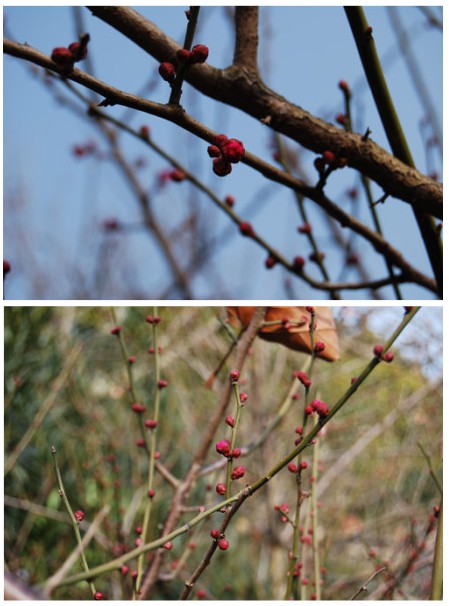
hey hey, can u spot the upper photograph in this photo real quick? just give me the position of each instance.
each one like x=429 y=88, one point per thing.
x=222 y=153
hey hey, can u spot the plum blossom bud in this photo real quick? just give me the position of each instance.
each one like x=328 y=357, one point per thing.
x=167 y=71
x=233 y=151
x=237 y=472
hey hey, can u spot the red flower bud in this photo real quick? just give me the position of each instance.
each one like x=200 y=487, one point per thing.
x=319 y=347
x=298 y=262
x=306 y=228
x=234 y=375
x=6 y=267
x=221 y=167
x=243 y=397
x=199 y=53
x=328 y=157
x=230 y=421
x=177 y=175
x=230 y=200
x=150 y=423
x=303 y=378
x=162 y=383
x=233 y=150
x=270 y=262
x=220 y=488
x=220 y=140
x=237 y=472
x=222 y=447
x=79 y=515
x=116 y=330
x=214 y=151
x=62 y=56
x=292 y=467
x=246 y=229
x=223 y=544
x=214 y=533
x=79 y=52
x=151 y=493
x=138 y=408
x=377 y=350
x=98 y=595
x=167 y=71
x=389 y=356
x=183 y=54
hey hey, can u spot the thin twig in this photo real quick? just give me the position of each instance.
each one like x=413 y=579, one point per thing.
x=365 y=585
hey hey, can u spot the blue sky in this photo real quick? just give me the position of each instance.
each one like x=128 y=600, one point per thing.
x=55 y=203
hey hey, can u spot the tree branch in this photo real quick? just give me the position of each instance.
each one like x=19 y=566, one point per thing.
x=235 y=86
x=246 y=37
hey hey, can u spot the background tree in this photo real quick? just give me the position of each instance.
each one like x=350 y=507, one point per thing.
x=325 y=202
x=369 y=485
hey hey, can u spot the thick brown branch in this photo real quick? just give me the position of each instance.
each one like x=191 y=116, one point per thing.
x=240 y=88
x=246 y=37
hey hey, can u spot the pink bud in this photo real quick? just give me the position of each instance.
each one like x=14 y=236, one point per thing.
x=222 y=447
x=230 y=421
x=138 y=408
x=377 y=350
x=220 y=488
x=223 y=544
x=303 y=378
x=237 y=472
x=79 y=515
x=233 y=150
x=234 y=375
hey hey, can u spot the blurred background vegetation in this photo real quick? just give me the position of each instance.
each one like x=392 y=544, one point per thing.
x=66 y=385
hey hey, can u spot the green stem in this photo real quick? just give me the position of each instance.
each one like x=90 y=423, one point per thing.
x=152 y=451
x=393 y=129
x=75 y=525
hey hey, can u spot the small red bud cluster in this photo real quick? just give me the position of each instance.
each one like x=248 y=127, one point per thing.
x=198 y=54
x=66 y=57
x=378 y=351
x=284 y=510
x=225 y=152
x=319 y=407
x=153 y=319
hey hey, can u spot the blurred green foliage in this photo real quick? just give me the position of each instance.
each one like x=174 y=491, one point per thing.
x=373 y=487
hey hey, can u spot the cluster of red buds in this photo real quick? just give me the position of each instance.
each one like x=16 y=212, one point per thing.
x=225 y=152
x=328 y=158
x=67 y=56
x=378 y=351
x=319 y=407
x=223 y=447
x=198 y=54
x=222 y=542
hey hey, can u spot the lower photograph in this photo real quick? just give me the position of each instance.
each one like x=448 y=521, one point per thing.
x=223 y=453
